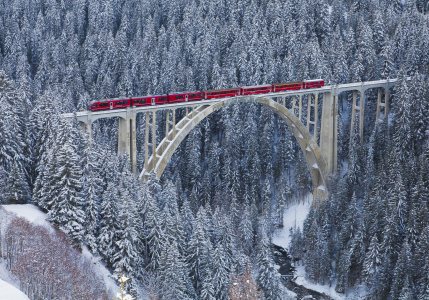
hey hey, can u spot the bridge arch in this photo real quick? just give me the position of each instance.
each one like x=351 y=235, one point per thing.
x=164 y=151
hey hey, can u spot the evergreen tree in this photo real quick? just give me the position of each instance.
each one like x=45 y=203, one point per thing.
x=17 y=190
x=268 y=279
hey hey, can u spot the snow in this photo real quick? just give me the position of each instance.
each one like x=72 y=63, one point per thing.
x=294 y=216
x=9 y=292
x=101 y=270
x=31 y=213
x=324 y=289
x=321 y=187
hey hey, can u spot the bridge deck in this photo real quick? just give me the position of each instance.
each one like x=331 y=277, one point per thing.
x=83 y=115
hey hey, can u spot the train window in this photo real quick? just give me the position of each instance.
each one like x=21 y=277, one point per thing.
x=179 y=96
x=193 y=95
x=162 y=98
x=103 y=104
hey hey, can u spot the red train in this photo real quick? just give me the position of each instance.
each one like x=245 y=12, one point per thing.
x=204 y=95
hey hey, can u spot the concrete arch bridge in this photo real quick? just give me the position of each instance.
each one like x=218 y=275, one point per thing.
x=302 y=118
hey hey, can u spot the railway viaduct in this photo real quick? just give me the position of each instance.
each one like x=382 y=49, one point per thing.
x=298 y=108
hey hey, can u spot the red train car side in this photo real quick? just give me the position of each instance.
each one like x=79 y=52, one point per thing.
x=315 y=83
x=252 y=90
x=149 y=100
x=110 y=104
x=279 y=87
x=183 y=97
x=213 y=94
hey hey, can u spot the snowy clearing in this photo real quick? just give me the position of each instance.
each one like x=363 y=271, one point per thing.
x=293 y=216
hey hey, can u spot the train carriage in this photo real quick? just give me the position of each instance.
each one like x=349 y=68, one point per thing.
x=185 y=96
x=314 y=83
x=149 y=100
x=213 y=94
x=279 y=87
x=110 y=104
x=257 y=89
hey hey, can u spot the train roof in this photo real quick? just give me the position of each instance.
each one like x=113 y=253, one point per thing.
x=311 y=80
x=110 y=99
x=295 y=82
x=147 y=96
x=178 y=93
x=255 y=86
x=221 y=90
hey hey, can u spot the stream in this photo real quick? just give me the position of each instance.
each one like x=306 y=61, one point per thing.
x=282 y=258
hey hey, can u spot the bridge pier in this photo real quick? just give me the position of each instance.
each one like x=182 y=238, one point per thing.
x=328 y=130
x=355 y=109
x=86 y=127
x=127 y=138
x=383 y=105
x=150 y=144
x=313 y=113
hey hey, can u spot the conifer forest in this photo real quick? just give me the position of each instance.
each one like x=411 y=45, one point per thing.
x=206 y=226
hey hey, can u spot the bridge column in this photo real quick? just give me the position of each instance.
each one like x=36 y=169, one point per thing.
x=150 y=131
x=315 y=112
x=170 y=121
x=127 y=138
x=328 y=130
x=295 y=105
x=386 y=102
x=133 y=143
x=86 y=126
x=89 y=129
x=359 y=108
x=381 y=105
x=361 y=114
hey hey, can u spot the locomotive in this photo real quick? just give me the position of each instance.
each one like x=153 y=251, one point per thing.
x=203 y=95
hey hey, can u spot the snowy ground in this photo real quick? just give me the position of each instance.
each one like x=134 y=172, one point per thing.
x=34 y=215
x=324 y=289
x=9 y=292
x=294 y=216
x=29 y=212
